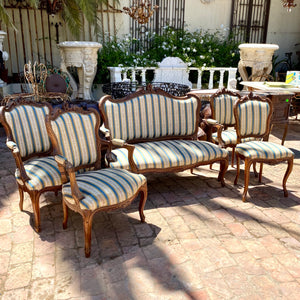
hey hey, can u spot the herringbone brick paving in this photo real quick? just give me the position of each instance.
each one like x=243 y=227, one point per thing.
x=200 y=240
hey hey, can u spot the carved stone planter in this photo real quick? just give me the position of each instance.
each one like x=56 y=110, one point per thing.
x=259 y=58
x=82 y=55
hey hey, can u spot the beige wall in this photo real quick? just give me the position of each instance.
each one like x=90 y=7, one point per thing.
x=283 y=29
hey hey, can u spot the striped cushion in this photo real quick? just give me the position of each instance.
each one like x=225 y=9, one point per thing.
x=43 y=172
x=229 y=137
x=168 y=154
x=76 y=137
x=151 y=116
x=253 y=117
x=27 y=124
x=223 y=109
x=264 y=150
x=105 y=187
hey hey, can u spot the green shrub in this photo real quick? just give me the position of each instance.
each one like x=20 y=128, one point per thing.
x=198 y=49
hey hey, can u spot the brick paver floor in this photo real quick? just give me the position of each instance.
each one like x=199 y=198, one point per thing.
x=200 y=240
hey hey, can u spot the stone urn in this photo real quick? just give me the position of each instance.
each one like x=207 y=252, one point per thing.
x=83 y=56
x=259 y=58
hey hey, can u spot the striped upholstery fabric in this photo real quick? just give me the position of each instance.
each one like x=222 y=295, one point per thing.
x=168 y=154
x=253 y=117
x=229 y=137
x=151 y=116
x=104 y=187
x=263 y=150
x=28 y=128
x=76 y=137
x=223 y=108
x=43 y=172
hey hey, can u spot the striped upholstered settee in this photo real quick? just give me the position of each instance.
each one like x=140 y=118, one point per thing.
x=157 y=132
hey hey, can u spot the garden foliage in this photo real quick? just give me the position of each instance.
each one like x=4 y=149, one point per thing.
x=197 y=49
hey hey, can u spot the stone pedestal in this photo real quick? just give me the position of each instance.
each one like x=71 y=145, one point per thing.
x=82 y=55
x=259 y=58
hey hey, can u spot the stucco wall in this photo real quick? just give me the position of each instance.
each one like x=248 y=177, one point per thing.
x=283 y=29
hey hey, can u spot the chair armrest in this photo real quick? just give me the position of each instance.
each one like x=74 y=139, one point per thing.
x=66 y=168
x=119 y=143
x=213 y=124
x=18 y=159
x=130 y=148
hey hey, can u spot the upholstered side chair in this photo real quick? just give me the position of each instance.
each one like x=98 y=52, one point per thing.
x=88 y=189
x=253 y=120
x=27 y=138
x=222 y=119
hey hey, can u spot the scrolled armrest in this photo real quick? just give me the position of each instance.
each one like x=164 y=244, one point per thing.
x=119 y=143
x=18 y=159
x=66 y=168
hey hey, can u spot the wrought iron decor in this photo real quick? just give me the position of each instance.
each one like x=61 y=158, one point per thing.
x=170 y=13
x=288 y=4
x=141 y=10
x=249 y=20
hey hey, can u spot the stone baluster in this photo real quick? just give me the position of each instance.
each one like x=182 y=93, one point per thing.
x=133 y=77
x=199 y=80
x=124 y=73
x=143 y=74
x=231 y=83
x=221 y=81
x=211 y=79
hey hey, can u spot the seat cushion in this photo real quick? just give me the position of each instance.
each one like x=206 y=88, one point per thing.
x=229 y=137
x=168 y=154
x=104 y=187
x=43 y=172
x=263 y=150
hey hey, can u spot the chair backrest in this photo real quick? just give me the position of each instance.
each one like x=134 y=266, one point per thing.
x=253 y=117
x=24 y=123
x=147 y=115
x=222 y=103
x=74 y=134
x=55 y=83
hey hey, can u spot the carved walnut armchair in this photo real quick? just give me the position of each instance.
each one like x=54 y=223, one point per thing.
x=87 y=189
x=27 y=138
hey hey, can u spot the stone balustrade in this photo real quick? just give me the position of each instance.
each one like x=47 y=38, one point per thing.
x=173 y=69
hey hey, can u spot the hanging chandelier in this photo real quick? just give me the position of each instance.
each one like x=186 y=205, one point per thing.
x=288 y=4
x=141 y=10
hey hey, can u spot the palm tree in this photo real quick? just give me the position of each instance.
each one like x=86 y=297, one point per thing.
x=71 y=11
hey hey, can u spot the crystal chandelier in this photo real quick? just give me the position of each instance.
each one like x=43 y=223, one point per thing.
x=141 y=10
x=288 y=4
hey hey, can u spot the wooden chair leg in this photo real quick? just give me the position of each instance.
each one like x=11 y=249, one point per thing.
x=246 y=180
x=144 y=194
x=232 y=156
x=254 y=170
x=65 y=210
x=237 y=169
x=260 y=173
x=21 y=193
x=223 y=169
x=287 y=174
x=284 y=133
x=35 y=201
x=87 y=225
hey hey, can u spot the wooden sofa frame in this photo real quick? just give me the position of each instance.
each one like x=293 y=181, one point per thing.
x=130 y=144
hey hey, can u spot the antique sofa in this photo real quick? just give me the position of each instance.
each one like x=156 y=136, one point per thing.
x=153 y=131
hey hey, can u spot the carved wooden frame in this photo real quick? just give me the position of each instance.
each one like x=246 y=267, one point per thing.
x=34 y=194
x=265 y=137
x=130 y=143
x=221 y=127
x=67 y=169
